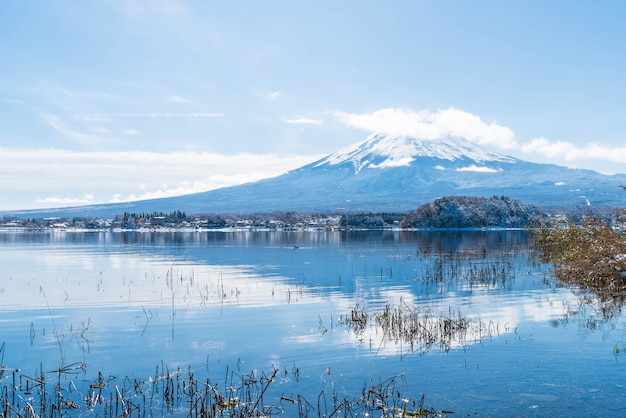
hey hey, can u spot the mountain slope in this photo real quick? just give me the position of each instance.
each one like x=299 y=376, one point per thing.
x=385 y=173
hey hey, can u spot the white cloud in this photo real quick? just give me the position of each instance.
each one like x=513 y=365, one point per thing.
x=479 y=169
x=91 y=117
x=132 y=132
x=393 y=162
x=275 y=95
x=548 y=149
x=66 y=201
x=59 y=125
x=102 y=117
x=571 y=152
x=180 y=99
x=171 y=115
x=302 y=121
x=103 y=177
x=432 y=125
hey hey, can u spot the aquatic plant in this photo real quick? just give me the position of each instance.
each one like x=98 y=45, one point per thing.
x=181 y=393
x=591 y=255
x=418 y=330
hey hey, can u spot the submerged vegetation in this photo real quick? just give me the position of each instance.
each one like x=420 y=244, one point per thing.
x=66 y=392
x=72 y=390
x=419 y=330
x=591 y=255
x=456 y=272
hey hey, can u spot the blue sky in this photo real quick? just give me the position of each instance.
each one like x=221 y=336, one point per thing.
x=107 y=100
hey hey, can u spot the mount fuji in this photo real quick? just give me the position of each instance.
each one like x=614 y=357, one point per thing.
x=385 y=173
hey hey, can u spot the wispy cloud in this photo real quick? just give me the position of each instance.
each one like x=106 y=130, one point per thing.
x=67 y=131
x=91 y=117
x=132 y=132
x=174 y=115
x=428 y=124
x=104 y=177
x=275 y=95
x=180 y=99
x=97 y=117
x=571 y=152
x=302 y=121
x=87 y=129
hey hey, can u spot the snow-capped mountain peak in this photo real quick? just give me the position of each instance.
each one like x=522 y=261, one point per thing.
x=388 y=173
x=384 y=151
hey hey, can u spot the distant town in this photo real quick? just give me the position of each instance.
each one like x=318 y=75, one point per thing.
x=446 y=212
x=180 y=221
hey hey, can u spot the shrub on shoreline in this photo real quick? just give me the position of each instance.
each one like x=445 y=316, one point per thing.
x=592 y=256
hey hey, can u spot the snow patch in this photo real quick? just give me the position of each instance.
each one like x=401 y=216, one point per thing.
x=438 y=167
x=391 y=162
x=479 y=169
x=358 y=164
x=394 y=151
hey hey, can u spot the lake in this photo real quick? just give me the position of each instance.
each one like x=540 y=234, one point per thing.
x=301 y=322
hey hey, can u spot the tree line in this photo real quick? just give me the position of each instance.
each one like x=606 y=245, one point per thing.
x=445 y=212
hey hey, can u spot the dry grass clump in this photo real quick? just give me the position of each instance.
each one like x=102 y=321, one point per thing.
x=61 y=394
x=358 y=319
x=591 y=256
x=421 y=329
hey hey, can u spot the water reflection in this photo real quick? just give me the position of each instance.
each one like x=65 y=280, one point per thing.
x=437 y=241
x=477 y=309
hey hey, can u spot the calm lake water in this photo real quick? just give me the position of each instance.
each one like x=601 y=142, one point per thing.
x=493 y=333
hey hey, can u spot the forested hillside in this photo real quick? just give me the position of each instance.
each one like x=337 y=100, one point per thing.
x=471 y=211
